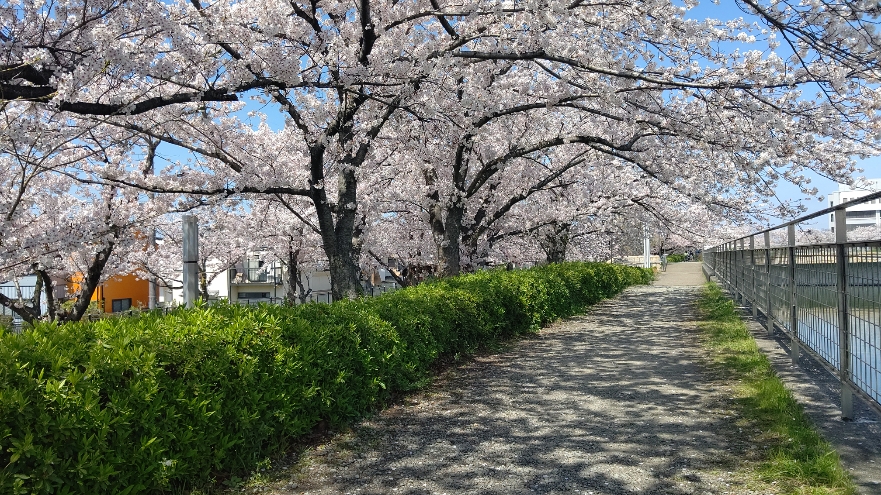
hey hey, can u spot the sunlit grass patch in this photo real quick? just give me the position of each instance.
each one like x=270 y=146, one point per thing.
x=796 y=457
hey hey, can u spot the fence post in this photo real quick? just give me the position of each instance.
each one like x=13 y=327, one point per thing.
x=843 y=311
x=768 y=300
x=744 y=278
x=793 y=295
x=705 y=263
x=734 y=263
x=744 y=283
x=732 y=273
x=715 y=260
x=741 y=268
x=729 y=262
x=752 y=272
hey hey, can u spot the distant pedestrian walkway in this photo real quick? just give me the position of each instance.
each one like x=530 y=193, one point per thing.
x=684 y=274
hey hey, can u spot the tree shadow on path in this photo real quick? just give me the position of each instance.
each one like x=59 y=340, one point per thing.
x=613 y=402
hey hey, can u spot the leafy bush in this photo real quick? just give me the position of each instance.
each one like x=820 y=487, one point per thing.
x=134 y=405
x=675 y=258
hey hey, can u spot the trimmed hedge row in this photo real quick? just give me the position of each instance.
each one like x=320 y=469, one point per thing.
x=675 y=258
x=134 y=405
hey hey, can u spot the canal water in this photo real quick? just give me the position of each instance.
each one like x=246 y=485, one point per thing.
x=818 y=329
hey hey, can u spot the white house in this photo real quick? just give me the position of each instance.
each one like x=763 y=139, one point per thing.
x=261 y=278
x=255 y=279
x=862 y=215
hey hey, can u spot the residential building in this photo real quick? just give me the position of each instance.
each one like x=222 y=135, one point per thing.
x=23 y=288
x=257 y=278
x=122 y=293
x=862 y=215
x=261 y=278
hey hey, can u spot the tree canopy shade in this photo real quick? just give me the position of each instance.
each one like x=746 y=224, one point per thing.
x=450 y=120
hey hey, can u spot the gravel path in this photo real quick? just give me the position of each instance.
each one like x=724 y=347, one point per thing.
x=617 y=401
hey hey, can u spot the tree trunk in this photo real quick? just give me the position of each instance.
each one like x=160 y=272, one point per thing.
x=49 y=288
x=345 y=282
x=32 y=311
x=555 y=243
x=337 y=227
x=294 y=289
x=449 y=253
x=89 y=284
x=302 y=292
x=38 y=291
x=446 y=228
x=26 y=313
x=557 y=253
x=203 y=279
x=293 y=273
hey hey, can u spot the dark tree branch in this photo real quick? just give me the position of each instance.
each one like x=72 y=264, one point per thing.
x=398 y=279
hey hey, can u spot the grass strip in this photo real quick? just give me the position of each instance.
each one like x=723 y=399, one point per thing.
x=797 y=458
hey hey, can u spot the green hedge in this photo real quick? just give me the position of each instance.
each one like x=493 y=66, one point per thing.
x=675 y=258
x=133 y=405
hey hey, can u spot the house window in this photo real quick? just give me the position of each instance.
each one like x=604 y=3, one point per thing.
x=253 y=295
x=256 y=273
x=120 y=305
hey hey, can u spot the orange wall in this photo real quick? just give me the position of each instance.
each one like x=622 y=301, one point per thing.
x=123 y=287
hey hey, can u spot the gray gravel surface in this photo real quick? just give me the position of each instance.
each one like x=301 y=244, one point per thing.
x=618 y=401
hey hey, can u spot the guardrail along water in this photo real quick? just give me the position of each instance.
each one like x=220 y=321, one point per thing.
x=821 y=289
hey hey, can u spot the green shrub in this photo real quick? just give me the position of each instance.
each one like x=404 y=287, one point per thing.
x=142 y=404
x=675 y=258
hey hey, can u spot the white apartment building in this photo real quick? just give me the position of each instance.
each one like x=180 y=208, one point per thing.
x=257 y=278
x=260 y=278
x=862 y=215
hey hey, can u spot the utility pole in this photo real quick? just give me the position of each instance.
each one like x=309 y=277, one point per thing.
x=153 y=287
x=191 y=257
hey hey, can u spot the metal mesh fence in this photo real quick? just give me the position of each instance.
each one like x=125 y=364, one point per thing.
x=863 y=304
x=762 y=279
x=817 y=301
x=825 y=297
x=779 y=288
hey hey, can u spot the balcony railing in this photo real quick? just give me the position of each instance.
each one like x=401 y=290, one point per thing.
x=258 y=276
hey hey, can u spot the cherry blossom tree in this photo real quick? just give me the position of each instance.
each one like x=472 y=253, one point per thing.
x=464 y=96
x=824 y=30
x=71 y=241
x=71 y=234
